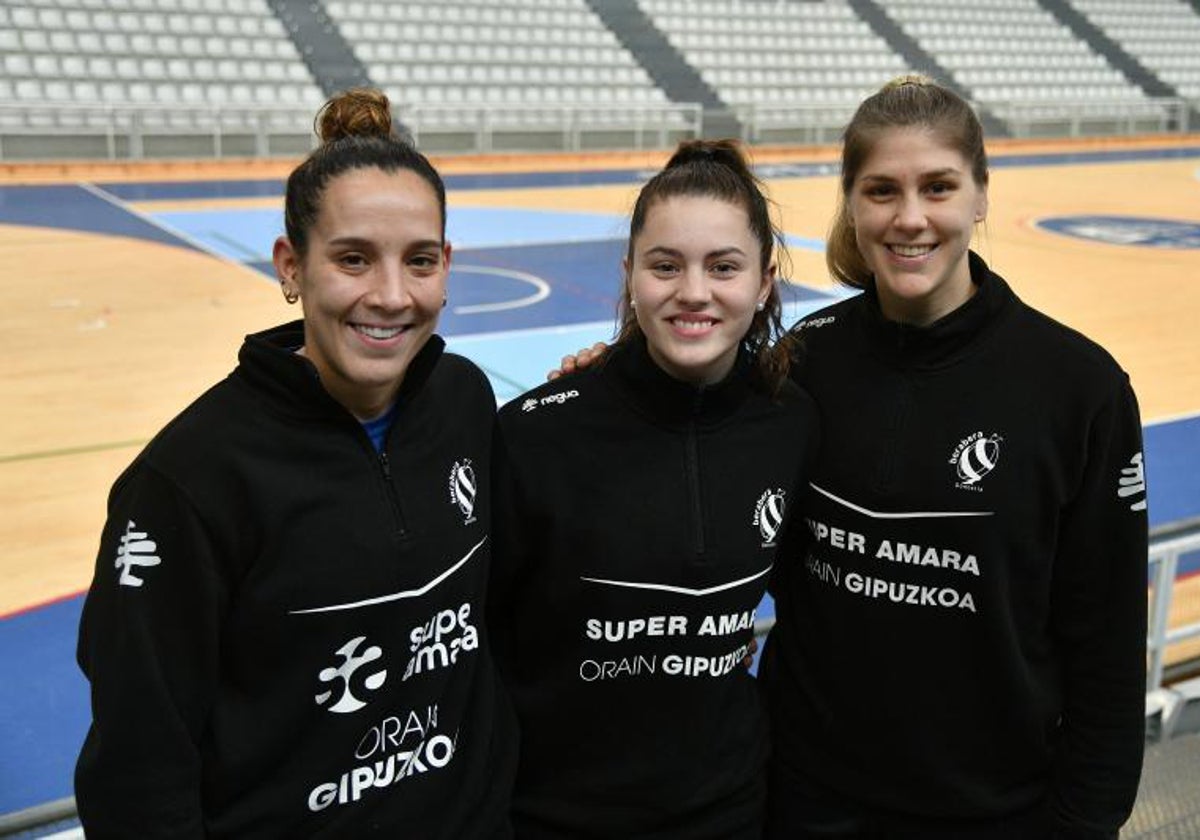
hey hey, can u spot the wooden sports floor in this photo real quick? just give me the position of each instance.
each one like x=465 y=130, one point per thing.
x=105 y=334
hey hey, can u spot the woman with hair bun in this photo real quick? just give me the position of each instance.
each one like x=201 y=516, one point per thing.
x=639 y=505
x=284 y=633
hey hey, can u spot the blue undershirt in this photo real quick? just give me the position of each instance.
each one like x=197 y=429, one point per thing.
x=377 y=429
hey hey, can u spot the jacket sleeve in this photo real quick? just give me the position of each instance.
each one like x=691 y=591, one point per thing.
x=148 y=644
x=1098 y=617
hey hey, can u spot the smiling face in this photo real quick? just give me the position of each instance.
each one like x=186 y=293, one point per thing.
x=695 y=278
x=372 y=283
x=913 y=206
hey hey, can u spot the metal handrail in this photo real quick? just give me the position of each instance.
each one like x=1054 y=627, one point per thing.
x=654 y=125
x=1164 y=566
x=485 y=121
x=1172 y=115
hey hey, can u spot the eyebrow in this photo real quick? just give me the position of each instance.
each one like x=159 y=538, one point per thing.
x=935 y=173
x=362 y=242
x=671 y=252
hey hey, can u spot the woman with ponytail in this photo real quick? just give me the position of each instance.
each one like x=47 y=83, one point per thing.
x=284 y=633
x=639 y=506
x=960 y=654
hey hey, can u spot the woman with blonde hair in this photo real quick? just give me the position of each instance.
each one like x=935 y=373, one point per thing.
x=959 y=653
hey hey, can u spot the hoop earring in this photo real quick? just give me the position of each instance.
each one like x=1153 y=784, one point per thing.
x=290 y=295
x=444 y=299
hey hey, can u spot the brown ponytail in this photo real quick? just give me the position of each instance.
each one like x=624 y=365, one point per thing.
x=718 y=169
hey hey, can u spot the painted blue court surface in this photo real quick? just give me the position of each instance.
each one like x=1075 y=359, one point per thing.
x=526 y=287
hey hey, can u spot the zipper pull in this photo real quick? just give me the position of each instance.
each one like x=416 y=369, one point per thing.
x=385 y=465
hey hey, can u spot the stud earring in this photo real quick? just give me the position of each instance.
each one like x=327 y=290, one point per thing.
x=760 y=306
x=632 y=303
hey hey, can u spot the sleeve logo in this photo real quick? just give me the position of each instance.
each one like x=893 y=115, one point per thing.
x=1133 y=483
x=557 y=398
x=814 y=323
x=136 y=549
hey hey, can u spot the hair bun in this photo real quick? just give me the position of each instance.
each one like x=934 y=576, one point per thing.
x=355 y=112
x=726 y=152
x=909 y=80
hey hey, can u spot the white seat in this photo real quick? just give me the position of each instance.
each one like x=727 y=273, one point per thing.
x=116 y=43
x=28 y=90
x=35 y=40
x=89 y=42
x=111 y=92
x=100 y=67
x=128 y=67
x=17 y=64
x=74 y=66
x=85 y=92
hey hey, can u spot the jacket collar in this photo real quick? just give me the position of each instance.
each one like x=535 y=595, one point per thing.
x=641 y=383
x=268 y=360
x=946 y=340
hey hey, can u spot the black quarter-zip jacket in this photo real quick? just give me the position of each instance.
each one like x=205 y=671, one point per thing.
x=637 y=519
x=285 y=634
x=966 y=635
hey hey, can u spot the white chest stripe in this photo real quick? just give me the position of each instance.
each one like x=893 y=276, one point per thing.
x=396 y=596
x=681 y=590
x=916 y=514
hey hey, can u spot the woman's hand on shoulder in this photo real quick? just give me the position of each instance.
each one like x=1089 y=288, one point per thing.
x=581 y=360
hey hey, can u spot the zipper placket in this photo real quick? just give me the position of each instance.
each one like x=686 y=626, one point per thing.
x=692 y=468
x=902 y=404
x=385 y=468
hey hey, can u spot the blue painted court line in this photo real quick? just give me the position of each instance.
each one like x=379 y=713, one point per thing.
x=1172 y=478
x=44 y=710
x=493 y=227
x=518 y=360
x=75 y=208
x=179 y=190
x=248 y=234
x=242 y=234
x=583 y=278
x=1098 y=156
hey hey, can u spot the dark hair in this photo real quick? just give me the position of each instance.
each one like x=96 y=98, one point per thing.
x=356 y=132
x=718 y=169
x=911 y=101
